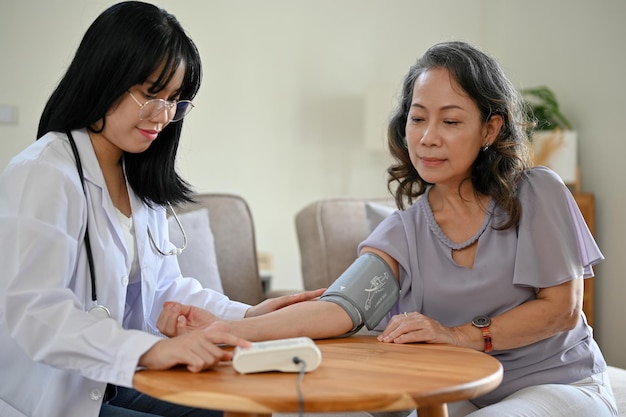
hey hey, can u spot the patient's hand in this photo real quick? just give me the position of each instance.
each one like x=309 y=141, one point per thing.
x=276 y=303
x=177 y=319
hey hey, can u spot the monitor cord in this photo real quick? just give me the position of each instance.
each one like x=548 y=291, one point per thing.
x=302 y=364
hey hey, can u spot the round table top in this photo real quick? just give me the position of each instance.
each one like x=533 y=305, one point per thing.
x=356 y=373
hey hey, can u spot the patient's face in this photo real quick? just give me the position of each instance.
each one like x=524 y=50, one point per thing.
x=444 y=131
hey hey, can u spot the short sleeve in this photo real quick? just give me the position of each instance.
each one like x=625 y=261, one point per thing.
x=391 y=236
x=396 y=235
x=554 y=242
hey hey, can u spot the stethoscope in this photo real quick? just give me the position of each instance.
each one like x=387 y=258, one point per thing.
x=99 y=310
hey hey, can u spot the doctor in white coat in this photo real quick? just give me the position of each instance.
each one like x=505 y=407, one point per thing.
x=71 y=340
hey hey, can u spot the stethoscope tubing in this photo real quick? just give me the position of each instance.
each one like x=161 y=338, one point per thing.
x=92 y=272
x=96 y=309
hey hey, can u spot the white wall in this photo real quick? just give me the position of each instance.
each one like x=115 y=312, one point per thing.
x=280 y=115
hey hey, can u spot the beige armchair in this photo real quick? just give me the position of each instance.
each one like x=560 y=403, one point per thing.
x=235 y=244
x=329 y=232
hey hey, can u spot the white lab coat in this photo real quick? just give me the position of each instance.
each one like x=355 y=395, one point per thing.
x=55 y=359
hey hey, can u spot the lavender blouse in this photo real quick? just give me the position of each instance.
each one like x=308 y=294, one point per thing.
x=551 y=245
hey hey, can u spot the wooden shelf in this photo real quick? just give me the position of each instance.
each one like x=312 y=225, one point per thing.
x=586 y=204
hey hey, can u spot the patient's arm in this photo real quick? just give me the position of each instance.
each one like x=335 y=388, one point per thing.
x=315 y=319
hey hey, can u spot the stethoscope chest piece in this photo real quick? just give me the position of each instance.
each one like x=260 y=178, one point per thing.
x=99 y=311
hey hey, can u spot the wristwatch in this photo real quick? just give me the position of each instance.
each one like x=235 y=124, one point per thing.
x=483 y=323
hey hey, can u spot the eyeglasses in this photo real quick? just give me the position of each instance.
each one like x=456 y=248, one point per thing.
x=175 y=109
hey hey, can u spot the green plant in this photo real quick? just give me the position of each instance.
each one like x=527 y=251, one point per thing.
x=543 y=108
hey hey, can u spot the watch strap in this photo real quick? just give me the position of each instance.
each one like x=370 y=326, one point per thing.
x=487 y=338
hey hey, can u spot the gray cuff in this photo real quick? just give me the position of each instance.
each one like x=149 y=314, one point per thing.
x=366 y=290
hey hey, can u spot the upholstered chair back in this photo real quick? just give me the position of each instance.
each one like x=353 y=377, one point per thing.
x=329 y=232
x=232 y=229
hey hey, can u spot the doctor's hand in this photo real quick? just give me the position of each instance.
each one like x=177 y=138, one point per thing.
x=276 y=303
x=196 y=350
x=177 y=319
x=416 y=327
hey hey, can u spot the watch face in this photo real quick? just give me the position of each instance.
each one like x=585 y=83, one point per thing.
x=481 y=321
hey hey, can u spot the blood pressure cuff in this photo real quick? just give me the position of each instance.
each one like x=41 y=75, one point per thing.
x=366 y=291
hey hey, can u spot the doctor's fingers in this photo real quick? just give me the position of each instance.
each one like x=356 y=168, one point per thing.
x=225 y=338
x=203 y=353
x=200 y=357
x=168 y=321
x=196 y=352
x=177 y=319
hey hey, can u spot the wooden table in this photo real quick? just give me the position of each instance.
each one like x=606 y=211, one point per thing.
x=357 y=373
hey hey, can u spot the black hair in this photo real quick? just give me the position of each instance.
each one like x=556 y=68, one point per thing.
x=497 y=170
x=125 y=45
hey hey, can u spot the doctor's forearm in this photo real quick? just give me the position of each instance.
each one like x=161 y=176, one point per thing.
x=315 y=319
